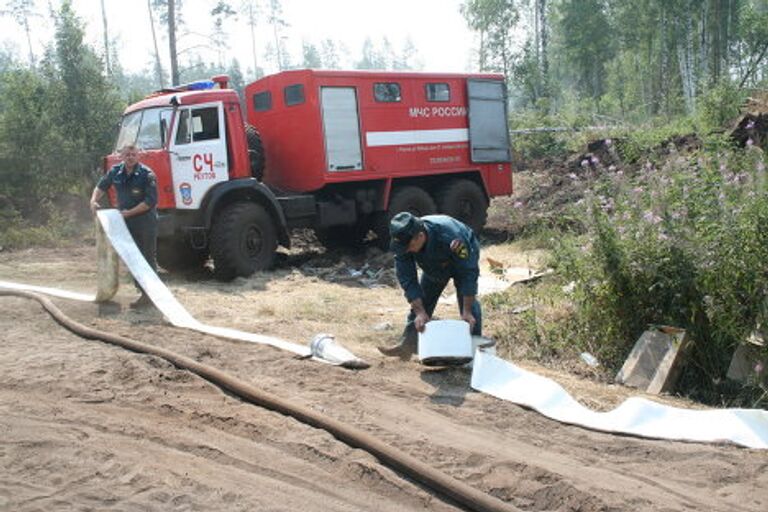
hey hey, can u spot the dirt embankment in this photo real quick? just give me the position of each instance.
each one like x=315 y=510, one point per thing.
x=86 y=426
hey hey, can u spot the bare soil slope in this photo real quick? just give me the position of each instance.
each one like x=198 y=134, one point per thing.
x=87 y=426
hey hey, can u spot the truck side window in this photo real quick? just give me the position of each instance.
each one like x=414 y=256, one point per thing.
x=438 y=92
x=293 y=95
x=182 y=134
x=387 y=92
x=262 y=101
x=205 y=123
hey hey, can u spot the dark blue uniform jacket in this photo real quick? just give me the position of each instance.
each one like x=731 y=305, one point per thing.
x=140 y=186
x=438 y=261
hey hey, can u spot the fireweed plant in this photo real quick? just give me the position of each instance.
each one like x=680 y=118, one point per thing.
x=681 y=243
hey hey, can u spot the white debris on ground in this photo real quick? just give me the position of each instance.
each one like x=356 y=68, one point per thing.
x=377 y=270
x=499 y=279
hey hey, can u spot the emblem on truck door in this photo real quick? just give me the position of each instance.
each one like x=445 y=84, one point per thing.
x=186 y=193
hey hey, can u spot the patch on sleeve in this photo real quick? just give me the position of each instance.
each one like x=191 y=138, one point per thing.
x=460 y=249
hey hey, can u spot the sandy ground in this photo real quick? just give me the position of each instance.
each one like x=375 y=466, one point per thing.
x=87 y=426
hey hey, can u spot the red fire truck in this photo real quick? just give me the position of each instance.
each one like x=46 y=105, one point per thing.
x=336 y=151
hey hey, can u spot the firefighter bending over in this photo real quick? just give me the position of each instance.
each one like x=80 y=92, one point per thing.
x=444 y=249
x=136 y=188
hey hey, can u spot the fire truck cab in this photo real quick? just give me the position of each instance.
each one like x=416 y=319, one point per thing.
x=337 y=151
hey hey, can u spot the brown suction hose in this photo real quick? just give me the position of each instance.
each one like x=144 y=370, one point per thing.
x=436 y=480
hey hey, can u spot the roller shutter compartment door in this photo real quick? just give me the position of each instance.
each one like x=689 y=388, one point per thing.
x=341 y=127
x=488 y=134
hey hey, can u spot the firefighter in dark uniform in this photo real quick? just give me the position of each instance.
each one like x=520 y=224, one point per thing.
x=136 y=188
x=444 y=249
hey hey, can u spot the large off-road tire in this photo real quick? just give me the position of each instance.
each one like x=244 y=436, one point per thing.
x=174 y=254
x=243 y=240
x=255 y=152
x=464 y=200
x=406 y=199
x=411 y=199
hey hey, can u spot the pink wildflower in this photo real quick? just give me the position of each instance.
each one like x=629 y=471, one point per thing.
x=651 y=218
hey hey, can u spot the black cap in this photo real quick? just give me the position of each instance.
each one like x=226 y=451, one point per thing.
x=402 y=228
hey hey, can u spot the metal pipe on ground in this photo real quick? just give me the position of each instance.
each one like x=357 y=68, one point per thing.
x=436 y=480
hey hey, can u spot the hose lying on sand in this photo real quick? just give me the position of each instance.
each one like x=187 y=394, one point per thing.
x=436 y=480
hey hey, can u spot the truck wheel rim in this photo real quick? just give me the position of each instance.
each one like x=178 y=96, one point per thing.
x=465 y=209
x=252 y=241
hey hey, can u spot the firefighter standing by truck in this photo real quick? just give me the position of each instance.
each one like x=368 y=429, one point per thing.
x=136 y=188
x=444 y=249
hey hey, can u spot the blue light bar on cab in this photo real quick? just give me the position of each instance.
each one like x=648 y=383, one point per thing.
x=200 y=85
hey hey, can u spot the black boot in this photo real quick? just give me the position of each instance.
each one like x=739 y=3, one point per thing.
x=405 y=348
x=142 y=302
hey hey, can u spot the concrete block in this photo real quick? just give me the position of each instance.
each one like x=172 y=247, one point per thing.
x=655 y=361
x=748 y=356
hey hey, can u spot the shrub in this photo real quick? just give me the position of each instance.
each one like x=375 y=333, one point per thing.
x=719 y=105
x=59 y=228
x=685 y=244
x=638 y=144
x=535 y=145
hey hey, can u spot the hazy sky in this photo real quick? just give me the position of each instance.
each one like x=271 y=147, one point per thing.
x=435 y=27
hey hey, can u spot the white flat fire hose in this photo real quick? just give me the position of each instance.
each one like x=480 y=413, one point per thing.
x=447 y=340
x=635 y=416
x=113 y=227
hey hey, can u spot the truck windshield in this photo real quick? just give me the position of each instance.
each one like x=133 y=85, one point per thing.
x=147 y=129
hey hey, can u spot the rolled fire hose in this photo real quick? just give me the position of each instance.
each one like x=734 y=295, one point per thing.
x=432 y=478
